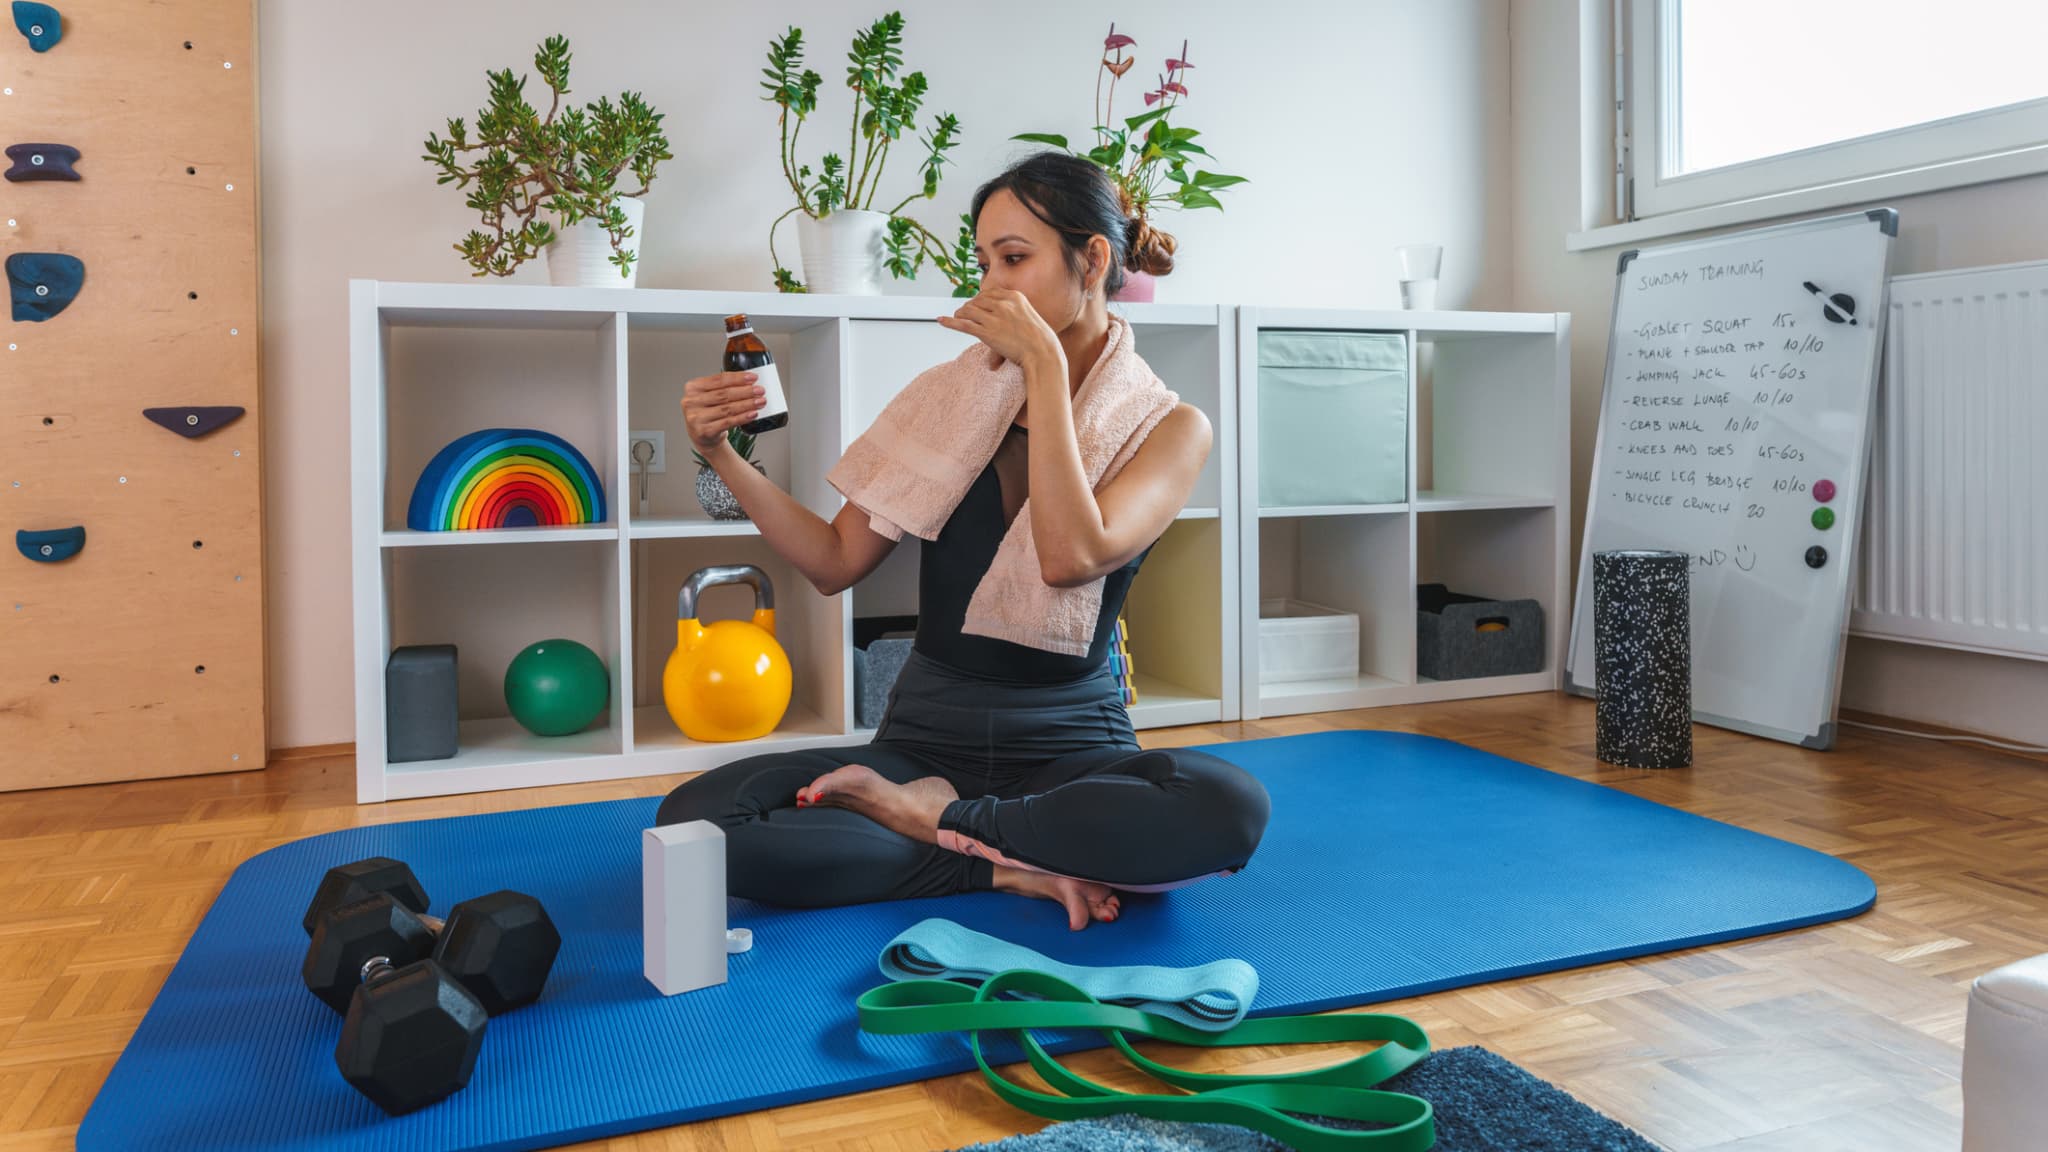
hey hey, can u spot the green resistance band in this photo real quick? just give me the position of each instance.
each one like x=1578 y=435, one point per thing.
x=1260 y=1103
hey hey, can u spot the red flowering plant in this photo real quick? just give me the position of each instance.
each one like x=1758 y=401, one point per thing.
x=1148 y=157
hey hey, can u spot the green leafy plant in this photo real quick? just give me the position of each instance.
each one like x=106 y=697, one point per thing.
x=884 y=111
x=741 y=442
x=568 y=162
x=1150 y=168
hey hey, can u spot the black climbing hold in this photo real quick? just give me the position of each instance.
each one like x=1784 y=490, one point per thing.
x=1840 y=307
x=42 y=284
x=50 y=546
x=41 y=162
x=40 y=23
x=191 y=422
x=1816 y=556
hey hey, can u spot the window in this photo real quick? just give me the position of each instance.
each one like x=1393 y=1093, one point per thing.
x=1733 y=100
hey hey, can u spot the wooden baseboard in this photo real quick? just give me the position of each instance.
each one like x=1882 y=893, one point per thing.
x=312 y=752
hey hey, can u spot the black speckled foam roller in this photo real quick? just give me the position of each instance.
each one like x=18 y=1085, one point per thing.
x=1642 y=658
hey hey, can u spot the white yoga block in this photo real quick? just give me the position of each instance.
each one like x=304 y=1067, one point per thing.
x=682 y=905
x=2005 y=1059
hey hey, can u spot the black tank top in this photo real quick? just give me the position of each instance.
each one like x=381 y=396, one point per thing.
x=952 y=565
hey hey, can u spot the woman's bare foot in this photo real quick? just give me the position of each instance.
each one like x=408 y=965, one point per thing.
x=911 y=809
x=1083 y=901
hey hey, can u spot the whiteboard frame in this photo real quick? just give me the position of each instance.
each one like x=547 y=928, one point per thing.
x=1887 y=221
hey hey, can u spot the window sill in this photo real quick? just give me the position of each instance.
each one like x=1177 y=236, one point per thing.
x=1912 y=182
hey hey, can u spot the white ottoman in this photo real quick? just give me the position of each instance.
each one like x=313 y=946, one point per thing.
x=2005 y=1060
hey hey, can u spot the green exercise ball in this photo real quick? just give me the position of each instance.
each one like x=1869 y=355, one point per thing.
x=557 y=687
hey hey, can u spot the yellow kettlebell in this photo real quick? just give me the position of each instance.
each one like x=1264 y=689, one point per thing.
x=728 y=680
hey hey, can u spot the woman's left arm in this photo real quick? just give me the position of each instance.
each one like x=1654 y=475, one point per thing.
x=1083 y=535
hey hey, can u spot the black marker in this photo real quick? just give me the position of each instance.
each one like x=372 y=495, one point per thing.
x=1840 y=306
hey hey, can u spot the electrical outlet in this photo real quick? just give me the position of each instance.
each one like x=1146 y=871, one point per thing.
x=660 y=461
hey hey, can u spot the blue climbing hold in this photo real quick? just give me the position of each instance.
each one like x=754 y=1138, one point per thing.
x=41 y=162
x=43 y=283
x=51 y=546
x=40 y=23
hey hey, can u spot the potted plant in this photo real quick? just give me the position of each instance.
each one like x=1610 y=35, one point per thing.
x=568 y=163
x=1151 y=170
x=845 y=243
x=713 y=496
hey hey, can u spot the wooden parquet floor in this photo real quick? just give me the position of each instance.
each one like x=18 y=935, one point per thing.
x=1843 y=1037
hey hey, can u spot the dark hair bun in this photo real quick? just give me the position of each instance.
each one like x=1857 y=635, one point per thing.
x=1151 y=251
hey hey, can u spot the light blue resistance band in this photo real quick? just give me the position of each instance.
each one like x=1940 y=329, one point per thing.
x=1212 y=997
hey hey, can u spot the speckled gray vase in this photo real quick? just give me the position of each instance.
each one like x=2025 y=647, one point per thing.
x=1642 y=658
x=716 y=499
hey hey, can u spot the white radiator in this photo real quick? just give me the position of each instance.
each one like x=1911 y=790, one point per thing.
x=1955 y=535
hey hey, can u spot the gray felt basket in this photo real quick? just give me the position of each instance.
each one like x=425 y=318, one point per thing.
x=1458 y=637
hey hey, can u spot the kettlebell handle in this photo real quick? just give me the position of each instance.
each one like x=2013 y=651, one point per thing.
x=702 y=578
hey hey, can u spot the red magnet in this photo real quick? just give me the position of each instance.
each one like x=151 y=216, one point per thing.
x=1824 y=491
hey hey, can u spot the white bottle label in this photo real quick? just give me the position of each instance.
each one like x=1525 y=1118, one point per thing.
x=772 y=401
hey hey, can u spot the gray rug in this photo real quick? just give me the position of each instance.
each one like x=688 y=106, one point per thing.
x=1482 y=1102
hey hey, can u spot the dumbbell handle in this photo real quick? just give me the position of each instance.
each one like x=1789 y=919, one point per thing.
x=434 y=924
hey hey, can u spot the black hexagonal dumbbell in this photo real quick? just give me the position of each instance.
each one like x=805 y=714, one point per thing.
x=500 y=947
x=347 y=883
x=412 y=1035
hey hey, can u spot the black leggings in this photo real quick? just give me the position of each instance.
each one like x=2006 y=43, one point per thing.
x=1050 y=778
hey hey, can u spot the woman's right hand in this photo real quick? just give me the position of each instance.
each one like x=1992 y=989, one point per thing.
x=714 y=405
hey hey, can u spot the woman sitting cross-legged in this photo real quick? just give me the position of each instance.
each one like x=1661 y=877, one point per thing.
x=1039 y=468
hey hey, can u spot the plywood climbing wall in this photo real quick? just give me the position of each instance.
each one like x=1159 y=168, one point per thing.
x=142 y=654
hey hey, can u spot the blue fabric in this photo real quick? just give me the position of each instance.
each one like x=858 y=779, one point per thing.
x=1212 y=997
x=40 y=23
x=1394 y=865
x=41 y=284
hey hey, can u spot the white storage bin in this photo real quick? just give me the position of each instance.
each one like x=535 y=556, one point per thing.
x=1303 y=641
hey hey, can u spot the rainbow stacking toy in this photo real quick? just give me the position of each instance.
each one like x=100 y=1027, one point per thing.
x=506 y=478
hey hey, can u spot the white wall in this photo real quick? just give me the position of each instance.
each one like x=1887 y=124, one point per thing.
x=1965 y=227
x=1362 y=125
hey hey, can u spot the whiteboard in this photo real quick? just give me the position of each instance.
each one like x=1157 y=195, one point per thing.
x=1738 y=381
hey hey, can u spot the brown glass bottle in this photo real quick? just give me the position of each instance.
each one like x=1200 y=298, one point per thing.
x=744 y=352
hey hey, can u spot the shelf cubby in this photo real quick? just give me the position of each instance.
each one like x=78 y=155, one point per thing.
x=1174 y=613
x=1501 y=554
x=811 y=629
x=666 y=350
x=442 y=381
x=491 y=600
x=1358 y=564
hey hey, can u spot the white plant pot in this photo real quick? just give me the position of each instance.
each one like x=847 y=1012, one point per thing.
x=580 y=255
x=843 y=252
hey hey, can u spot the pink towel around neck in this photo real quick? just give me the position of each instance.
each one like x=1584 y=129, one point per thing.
x=912 y=467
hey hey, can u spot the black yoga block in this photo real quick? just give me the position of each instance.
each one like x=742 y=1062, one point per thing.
x=419 y=704
x=1458 y=637
x=1642 y=658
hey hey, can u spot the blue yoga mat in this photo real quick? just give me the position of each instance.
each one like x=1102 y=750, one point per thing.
x=1393 y=865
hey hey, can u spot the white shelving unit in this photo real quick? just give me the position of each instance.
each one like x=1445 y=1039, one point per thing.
x=431 y=362
x=1488 y=508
